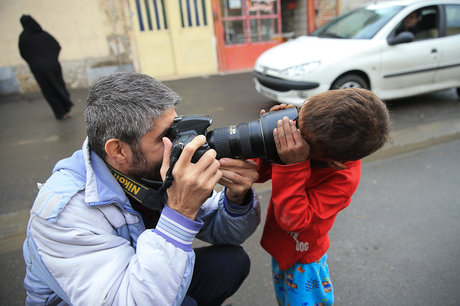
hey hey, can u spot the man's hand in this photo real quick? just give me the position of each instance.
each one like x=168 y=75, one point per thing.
x=193 y=182
x=238 y=176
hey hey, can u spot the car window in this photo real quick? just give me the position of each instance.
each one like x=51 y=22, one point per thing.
x=362 y=23
x=453 y=19
x=423 y=23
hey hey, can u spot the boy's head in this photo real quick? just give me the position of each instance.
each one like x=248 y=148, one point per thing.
x=344 y=125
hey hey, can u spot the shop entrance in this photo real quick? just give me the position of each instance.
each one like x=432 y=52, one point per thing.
x=244 y=29
x=174 y=38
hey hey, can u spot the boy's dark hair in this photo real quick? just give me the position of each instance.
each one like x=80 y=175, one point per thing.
x=347 y=124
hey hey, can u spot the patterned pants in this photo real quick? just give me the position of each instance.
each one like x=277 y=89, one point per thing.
x=303 y=284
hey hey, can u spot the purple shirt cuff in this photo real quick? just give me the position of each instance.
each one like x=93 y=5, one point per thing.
x=177 y=229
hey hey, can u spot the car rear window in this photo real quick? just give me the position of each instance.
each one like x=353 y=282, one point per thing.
x=453 y=19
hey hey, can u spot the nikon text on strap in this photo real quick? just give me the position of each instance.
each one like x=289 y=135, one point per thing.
x=148 y=197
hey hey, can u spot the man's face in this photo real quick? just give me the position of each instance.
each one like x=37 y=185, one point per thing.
x=147 y=159
x=411 y=20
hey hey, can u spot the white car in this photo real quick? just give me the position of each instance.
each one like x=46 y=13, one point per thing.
x=369 y=48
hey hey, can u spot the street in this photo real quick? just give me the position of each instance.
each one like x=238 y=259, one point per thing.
x=397 y=243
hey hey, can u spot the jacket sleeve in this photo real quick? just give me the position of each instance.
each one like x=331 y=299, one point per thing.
x=89 y=261
x=295 y=203
x=226 y=222
x=264 y=170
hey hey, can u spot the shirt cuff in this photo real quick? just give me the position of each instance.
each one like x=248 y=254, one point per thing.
x=236 y=210
x=177 y=229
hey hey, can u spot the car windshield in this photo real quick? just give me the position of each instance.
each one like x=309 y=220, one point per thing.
x=362 y=23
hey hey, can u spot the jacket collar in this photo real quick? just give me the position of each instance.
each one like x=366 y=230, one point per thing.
x=101 y=188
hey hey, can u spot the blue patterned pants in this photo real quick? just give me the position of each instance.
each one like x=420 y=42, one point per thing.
x=303 y=284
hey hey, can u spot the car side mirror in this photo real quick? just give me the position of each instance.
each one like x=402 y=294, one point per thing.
x=401 y=38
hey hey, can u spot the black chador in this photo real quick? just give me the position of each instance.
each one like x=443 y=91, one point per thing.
x=41 y=51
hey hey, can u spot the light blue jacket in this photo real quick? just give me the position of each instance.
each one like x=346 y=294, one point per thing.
x=86 y=245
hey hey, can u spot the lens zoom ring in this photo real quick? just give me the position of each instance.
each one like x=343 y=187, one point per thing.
x=222 y=142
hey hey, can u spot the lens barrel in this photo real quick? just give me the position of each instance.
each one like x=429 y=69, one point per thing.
x=252 y=139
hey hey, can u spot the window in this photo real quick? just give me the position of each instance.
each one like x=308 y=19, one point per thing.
x=361 y=23
x=453 y=19
x=253 y=21
x=423 y=23
x=193 y=13
x=154 y=14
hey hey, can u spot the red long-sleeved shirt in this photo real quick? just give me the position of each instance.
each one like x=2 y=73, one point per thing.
x=303 y=207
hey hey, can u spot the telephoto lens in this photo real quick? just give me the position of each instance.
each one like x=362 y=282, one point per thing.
x=252 y=139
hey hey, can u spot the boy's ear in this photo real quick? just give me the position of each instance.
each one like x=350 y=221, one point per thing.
x=117 y=150
x=336 y=165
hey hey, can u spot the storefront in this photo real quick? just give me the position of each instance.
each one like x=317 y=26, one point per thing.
x=245 y=29
x=162 y=38
x=192 y=37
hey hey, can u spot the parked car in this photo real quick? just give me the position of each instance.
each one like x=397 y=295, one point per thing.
x=369 y=48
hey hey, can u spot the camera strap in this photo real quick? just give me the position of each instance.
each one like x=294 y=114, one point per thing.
x=146 y=196
x=175 y=153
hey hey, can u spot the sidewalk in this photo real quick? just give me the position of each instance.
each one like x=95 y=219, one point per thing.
x=424 y=135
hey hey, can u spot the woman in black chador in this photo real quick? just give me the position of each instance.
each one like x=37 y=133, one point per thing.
x=40 y=50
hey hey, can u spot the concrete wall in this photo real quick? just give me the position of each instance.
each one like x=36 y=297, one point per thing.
x=85 y=29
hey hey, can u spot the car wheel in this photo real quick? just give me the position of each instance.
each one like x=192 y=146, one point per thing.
x=349 y=81
x=458 y=91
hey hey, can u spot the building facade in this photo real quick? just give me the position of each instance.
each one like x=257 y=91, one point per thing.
x=162 y=38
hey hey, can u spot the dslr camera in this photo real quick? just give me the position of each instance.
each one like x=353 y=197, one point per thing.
x=246 y=140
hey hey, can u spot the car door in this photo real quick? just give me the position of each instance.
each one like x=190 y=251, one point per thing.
x=448 y=72
x=407 y=67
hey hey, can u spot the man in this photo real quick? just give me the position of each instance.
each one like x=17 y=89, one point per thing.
x=93 y=239
x=410 y=24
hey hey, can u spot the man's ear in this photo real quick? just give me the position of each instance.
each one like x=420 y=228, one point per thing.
x=118 y=151
x=336 y=165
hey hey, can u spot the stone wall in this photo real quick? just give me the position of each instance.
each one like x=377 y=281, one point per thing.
x=87 y=31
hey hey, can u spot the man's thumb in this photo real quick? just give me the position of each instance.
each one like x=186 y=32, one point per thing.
x=166 y=156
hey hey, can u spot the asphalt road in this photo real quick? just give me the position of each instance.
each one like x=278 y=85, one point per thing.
x=396 y=244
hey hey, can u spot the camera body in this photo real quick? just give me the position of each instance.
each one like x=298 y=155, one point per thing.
x=186 y=128
x=246 y=140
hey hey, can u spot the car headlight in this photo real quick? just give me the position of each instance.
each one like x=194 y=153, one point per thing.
x=300 y=70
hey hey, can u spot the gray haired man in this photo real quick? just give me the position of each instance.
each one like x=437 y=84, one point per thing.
x=96 y=234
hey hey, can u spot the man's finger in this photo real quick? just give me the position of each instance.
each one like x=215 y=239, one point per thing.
x=237 y=164
x=190 y=148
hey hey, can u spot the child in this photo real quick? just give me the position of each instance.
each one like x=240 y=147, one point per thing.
x=320 y=172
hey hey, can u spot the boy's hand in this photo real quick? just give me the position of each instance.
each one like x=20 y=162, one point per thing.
x=291 y=146
x=277 y=108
